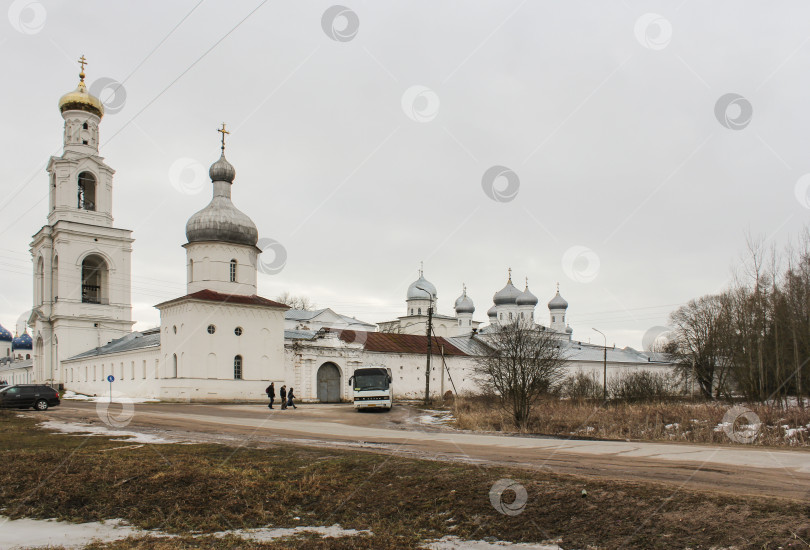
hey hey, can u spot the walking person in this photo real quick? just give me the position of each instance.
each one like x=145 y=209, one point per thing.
x=282 y=393
x=271 y=394
x=290 y=398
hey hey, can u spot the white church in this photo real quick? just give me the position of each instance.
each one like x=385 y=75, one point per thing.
x=222 y=340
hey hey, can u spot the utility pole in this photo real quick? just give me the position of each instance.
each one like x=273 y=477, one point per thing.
x=428 y=332
x=604 y=367
x=429 y=347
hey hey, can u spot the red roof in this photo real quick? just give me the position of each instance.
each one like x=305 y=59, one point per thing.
x=398 y=343
x=240 y=299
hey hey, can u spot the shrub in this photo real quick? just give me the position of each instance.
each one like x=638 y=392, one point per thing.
x=581 y=386
x=635 y=387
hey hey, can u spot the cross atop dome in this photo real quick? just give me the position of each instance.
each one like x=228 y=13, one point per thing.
x=223 y=131
x=82 y=62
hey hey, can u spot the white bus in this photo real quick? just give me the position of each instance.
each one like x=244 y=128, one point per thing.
x=372 y=388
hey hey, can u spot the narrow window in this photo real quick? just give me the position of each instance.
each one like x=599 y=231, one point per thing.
x=420 y=311
x=233 y=271
x=237 y=367
x=174 y=365
x=84 y=126
x=191 y=271
x=553 y=319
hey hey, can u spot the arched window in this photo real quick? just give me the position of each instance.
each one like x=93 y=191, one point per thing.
x=233 y=271
x=411 y=311
x=420 y=311
x=237 y=367
x=94 y=280
x=87 y=191
x=55 y=279
x=174 y=365
x=510 y=315
x=40 y=298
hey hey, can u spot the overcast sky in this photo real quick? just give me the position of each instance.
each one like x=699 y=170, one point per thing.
x=363 y=139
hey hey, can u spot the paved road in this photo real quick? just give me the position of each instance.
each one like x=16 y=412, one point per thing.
x=732 y=469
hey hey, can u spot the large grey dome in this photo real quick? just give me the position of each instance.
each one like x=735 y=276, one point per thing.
x=506 y=295
x=221 y=221
x=464 y=303
x=415 y=293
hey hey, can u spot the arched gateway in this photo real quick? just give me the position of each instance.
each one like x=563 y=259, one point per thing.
x=329 y=383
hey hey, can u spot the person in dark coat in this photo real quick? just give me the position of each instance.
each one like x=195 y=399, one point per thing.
x=283 y=394
x=290 y=398
x=271 y=394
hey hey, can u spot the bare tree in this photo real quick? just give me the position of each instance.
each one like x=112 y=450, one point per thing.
x=524 y=362
x=697 y=342
x=296 y=302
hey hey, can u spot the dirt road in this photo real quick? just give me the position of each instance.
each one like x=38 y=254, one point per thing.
x=731 y=469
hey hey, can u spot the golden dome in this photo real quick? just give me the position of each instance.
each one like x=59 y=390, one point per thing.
x=79 y=99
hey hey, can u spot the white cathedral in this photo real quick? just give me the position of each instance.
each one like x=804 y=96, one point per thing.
x=222 y=340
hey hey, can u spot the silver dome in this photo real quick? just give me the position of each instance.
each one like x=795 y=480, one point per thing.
x=558 y=302
x=221 y=221
x=415 y=293
x=492 y=312
x=506 y=295
x=526 y=298
x=222 y=170
x=464 y=303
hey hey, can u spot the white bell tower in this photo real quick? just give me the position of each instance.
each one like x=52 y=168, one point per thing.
x=82 y=264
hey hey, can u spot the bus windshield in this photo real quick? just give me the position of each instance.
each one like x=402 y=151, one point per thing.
x=376 y=381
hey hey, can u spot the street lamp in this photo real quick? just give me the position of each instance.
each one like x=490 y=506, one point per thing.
x=429 y=342
x=604 y=367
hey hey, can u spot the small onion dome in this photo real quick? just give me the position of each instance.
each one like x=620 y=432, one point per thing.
x=222 y=170
x=558 y=302
x=526 y=298
x=569 y=330
x=419 y=289
x=464 y=303
x=81 y=100
x=221 y=221
x=492 y=312
x=5 y=335
x=507 y=295
x=22 y=342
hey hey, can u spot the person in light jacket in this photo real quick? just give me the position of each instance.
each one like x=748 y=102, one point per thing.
x=282 y=393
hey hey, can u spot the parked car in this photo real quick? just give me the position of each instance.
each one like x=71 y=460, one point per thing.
x=23 y=396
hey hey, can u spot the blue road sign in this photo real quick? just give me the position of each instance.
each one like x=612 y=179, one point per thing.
x=111 y=378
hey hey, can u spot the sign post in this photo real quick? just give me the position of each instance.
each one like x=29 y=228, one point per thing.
x=111 y=379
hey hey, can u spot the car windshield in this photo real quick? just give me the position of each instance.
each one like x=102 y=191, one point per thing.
x=371 y=381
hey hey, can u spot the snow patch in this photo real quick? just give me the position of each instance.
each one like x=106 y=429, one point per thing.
x=27 y=533
x=454 y=543
x=85 y=429
x=73 y=396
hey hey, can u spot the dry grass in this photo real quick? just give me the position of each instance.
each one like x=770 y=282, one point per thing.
x=187 y=489
x=667 y=421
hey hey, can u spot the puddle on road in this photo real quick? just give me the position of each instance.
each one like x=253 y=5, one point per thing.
x=27 y=533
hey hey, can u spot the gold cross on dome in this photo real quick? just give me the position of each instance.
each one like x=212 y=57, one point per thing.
x=223 y=131
x=82 y=62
